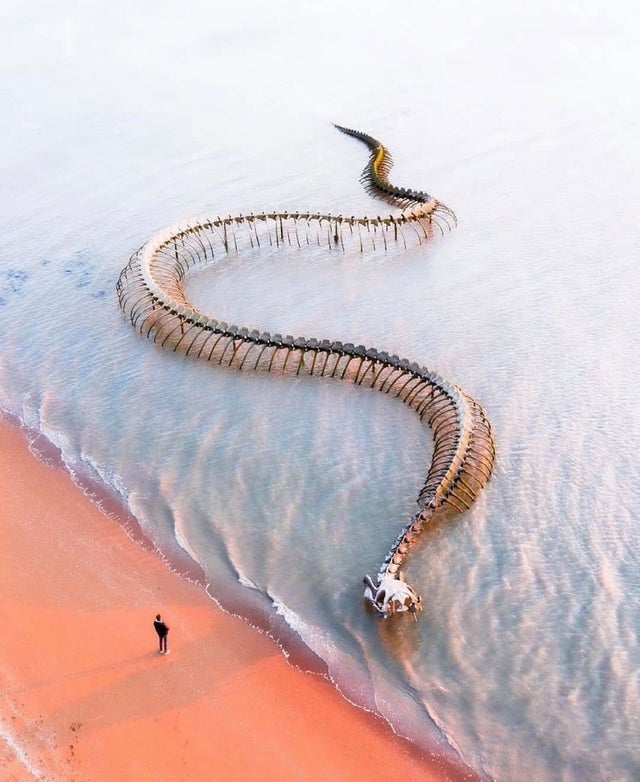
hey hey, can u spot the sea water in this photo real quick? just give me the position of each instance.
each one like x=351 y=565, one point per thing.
x=120 y=118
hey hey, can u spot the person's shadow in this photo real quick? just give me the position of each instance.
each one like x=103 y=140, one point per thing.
x=160 y=683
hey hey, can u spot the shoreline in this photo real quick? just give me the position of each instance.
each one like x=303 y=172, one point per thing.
x=87 y=697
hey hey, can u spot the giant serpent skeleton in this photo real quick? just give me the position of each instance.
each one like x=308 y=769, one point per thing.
x=151 y=294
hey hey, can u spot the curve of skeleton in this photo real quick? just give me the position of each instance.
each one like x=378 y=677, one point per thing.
x=151 y=294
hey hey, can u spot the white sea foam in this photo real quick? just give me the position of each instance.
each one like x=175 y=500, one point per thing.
x=21 y=754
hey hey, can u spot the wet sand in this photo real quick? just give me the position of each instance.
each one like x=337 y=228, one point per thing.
x=87 y=696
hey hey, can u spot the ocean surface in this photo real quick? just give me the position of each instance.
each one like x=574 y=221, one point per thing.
x=121 y=118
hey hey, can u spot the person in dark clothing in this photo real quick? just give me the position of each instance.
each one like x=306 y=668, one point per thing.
x=163 y=631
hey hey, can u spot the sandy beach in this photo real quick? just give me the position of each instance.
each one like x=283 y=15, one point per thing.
x=87 y=696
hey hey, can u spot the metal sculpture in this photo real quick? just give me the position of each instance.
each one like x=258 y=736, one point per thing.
x=151 y=294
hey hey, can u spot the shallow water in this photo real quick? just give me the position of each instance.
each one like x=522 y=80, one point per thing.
x=119 y=121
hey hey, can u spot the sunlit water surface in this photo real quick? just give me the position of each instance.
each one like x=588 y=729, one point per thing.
x=121 y=118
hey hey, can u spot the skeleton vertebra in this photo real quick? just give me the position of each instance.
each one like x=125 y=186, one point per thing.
x=151 y=294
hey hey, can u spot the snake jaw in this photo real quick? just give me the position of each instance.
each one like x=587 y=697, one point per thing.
x=391 y=596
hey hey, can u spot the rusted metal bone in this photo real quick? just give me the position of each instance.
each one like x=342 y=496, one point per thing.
x=151 y=294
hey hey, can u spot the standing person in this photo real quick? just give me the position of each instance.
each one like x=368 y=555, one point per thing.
x=163 y=631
